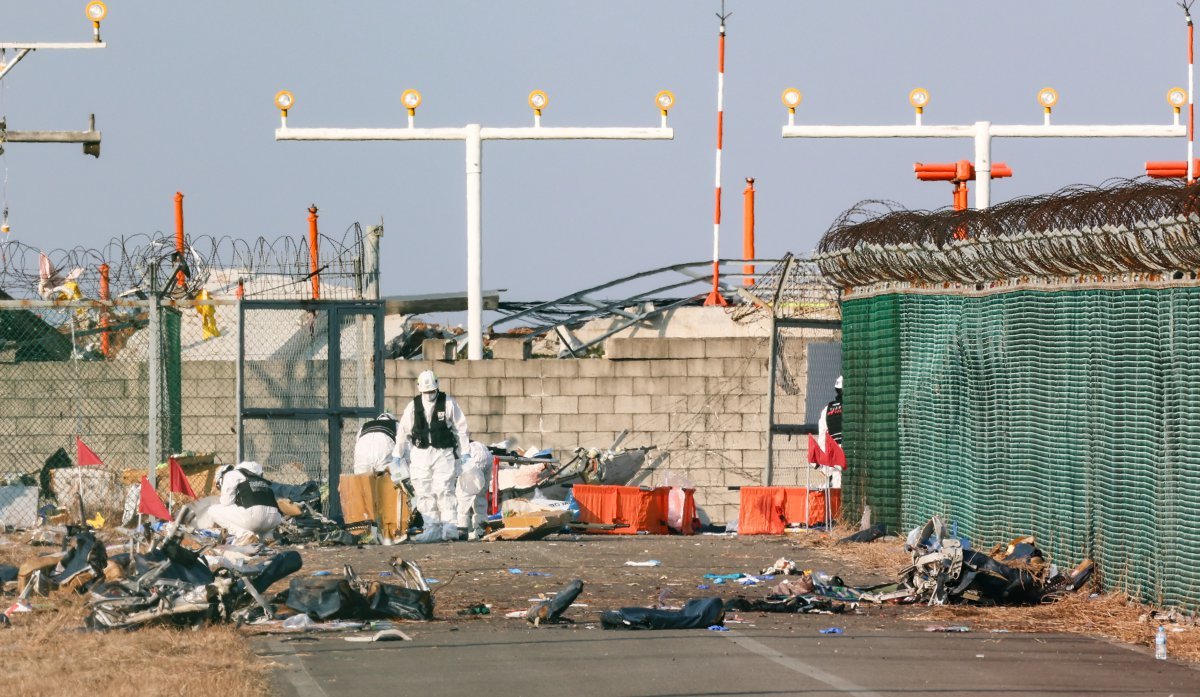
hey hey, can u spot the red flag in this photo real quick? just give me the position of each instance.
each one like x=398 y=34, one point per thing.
x=815 y=454
x=150 y=503
x=179 y=481
x=836 y=457
x=85 y=455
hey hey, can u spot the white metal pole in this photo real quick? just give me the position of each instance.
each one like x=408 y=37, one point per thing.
x=474 y=163
x=983 y=164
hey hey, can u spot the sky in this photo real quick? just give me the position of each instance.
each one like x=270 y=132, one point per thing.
x=183 y=95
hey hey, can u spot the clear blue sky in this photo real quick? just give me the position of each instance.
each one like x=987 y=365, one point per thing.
x=185 y=103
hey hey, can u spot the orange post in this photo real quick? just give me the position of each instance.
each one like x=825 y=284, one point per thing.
x=180 y=280
x=748 y=230
x=105 y=296
x=313 y=252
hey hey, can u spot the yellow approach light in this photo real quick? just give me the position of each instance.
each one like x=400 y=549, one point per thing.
x=1047 y=97
x=411 y=99
x=538 y=100
x=791 y=99
x=665 y=100
x=284 y=100
x=919 y=99
x=96 y=11
x=1176 y=97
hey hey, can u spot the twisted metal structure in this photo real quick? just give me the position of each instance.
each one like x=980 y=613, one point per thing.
x=1119 y=227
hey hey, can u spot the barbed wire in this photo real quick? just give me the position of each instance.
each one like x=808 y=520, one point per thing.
x=792 y=288
x=1120 y=226
x=281 y=265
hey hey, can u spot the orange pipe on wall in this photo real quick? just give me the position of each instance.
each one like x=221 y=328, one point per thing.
x=104 y=295
x=179 y=277
x=748 y=230
x=313 y=252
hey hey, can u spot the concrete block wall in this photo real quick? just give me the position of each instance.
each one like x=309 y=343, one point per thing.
x=701 y=402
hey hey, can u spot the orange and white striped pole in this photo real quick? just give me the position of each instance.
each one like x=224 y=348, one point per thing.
x=1191 y=128
x=715 y=297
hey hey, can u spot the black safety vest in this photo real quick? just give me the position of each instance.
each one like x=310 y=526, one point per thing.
x=435 y=431
x=833 y=420
x=254 y=491
x=385 y=426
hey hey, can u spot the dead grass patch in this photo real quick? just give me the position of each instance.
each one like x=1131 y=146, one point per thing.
x=47 y=652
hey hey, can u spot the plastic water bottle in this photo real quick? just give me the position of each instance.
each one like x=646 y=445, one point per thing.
x=1160 y=643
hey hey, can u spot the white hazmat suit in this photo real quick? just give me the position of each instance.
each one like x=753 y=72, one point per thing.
x=375 y=444
x=475 y=468
x=240 y=520
x=432 y=469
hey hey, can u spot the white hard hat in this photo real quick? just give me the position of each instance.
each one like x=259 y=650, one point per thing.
x=838 y=385
x=427 y=382
x=251 y=466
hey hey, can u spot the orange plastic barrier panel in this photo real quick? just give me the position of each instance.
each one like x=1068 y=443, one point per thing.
x=767 y=510
x=633 y=508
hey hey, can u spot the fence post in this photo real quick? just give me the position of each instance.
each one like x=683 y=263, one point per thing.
x=153 y=368
x=239 y=376
x=773 y=365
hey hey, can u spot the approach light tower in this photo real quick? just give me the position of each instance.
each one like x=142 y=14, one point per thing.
x=96 y=12
x=473 y=136
x=984 y=131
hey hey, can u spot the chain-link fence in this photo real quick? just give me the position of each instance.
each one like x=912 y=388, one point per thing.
x=68 y=386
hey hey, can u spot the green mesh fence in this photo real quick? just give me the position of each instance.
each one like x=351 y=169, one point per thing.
x=1074 y=416
x=871 y=359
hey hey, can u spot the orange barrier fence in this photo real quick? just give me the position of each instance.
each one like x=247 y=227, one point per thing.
x=633 y=508
x=768 y=510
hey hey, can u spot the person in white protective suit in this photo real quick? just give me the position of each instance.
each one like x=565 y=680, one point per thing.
x=431 y=433
x=246 y=505
x=830 y=423
x=475 y=468
x=375 y=444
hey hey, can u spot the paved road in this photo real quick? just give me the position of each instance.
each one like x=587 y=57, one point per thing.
x=874 y=657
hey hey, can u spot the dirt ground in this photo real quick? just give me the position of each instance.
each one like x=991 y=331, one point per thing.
x=48 y=653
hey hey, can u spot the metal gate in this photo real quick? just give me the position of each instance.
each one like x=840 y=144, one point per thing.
x=801 y=374
x=308 y=372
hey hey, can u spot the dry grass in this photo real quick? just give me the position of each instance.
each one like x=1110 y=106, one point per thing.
x=47 y=652
x=1112 y=615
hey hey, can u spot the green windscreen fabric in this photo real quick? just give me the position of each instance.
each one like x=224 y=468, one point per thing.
x=1074 y=416
x=871 y=359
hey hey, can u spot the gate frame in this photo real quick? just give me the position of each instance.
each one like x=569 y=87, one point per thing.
x=773 y=428
x=333 y=412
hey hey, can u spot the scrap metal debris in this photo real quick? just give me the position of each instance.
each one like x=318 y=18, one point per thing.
x=945 y=569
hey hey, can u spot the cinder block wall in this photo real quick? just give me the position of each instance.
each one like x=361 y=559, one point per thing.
x=702 y=402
